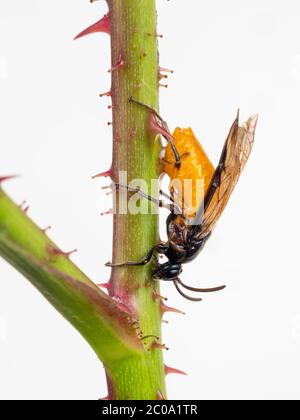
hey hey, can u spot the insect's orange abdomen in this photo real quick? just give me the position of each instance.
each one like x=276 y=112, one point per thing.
x=195 y=165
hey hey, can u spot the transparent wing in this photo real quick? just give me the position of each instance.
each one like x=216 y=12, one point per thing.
x=234 y=156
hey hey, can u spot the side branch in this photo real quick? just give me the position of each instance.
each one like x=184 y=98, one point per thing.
x=111 y=332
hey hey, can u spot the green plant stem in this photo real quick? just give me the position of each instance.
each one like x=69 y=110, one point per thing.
x=134 y=366
x=135 y=150
x=108 y=329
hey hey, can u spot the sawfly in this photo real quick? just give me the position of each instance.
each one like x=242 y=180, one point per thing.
x=189 y=230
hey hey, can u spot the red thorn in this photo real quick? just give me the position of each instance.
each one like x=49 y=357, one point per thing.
x=105 y=94
x=25 y=210
x=120 y=63
x=162 y=85
x=109 y=123
x=164 y=309
x=46 y=229
x=58 y=252
x=107 y=213
x=106 y=286
x=160 y=395
x=156 y=128
x=169 y=370
x=156 y=345
x=103 y=174
x=7 y=178
x=21 y=206
x=103 y=25
x=105 y=398
x=156 y=296
x=162 y=76
x=166 y=70
x=164 y=322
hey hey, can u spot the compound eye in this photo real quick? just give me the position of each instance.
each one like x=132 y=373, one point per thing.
x=172 y=271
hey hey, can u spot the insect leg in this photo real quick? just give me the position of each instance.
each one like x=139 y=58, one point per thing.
x=159 y=248
x=144 y=261
x=149 y=108
x=160 y=203
x=169 y=197
x=165 y=129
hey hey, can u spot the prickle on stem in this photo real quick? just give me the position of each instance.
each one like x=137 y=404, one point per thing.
x=162 y=76
x=105 y=398
x=169 y=370
x=155 y=345
x=105 y=94
x=7 y=178
x=107 y=213
x=156 y=296
x=106 y=286
x=104 y=174
x=159 y=395
x=120 y=63
x=103 y=25
x=155 y=34
x=24 y=207
x=46 y=229
x=164 y=309
x=58 y=252
x=164 y=70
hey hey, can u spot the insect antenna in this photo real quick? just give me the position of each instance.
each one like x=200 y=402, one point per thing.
x=195 y=289
x=193 y=299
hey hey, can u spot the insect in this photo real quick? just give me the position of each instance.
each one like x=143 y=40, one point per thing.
x=194 y=166
x=188 y=233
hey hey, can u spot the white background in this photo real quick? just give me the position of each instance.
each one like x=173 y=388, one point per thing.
x=242 y=343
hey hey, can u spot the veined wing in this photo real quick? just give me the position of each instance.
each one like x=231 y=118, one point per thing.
x=233 y=159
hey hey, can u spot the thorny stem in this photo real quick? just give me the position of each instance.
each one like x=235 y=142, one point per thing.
x=109 y=330
x=125 y=331
x=135 y=150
